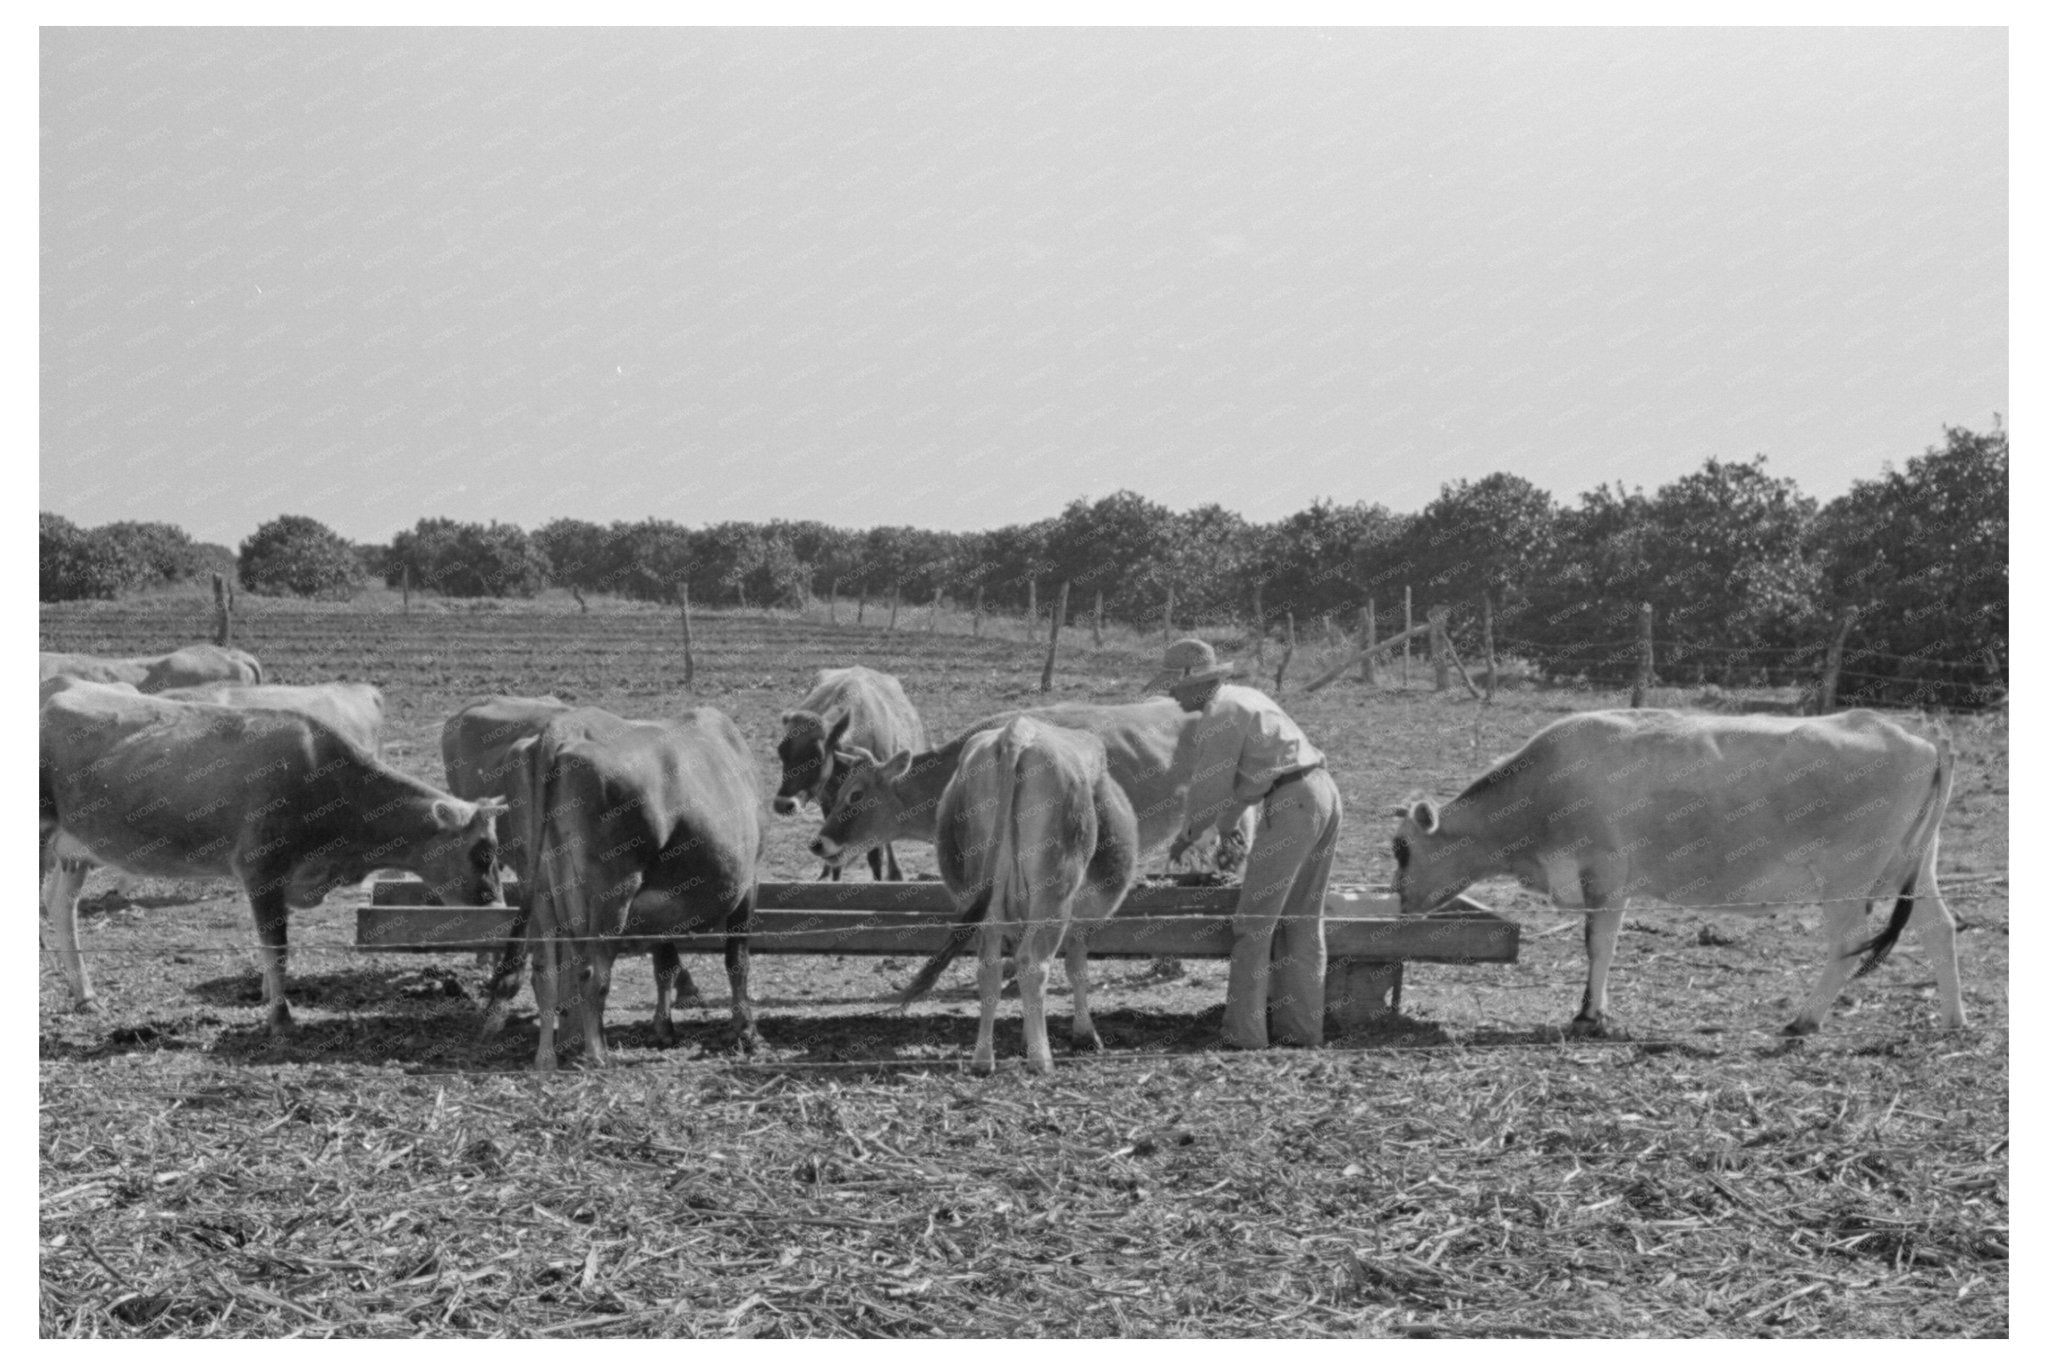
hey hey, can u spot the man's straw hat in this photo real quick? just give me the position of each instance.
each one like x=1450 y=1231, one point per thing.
x=1188 y=661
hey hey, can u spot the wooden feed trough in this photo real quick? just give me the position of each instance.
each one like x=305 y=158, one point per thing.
x=1367 y=940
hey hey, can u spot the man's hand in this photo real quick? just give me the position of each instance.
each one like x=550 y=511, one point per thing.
x=1178 y=849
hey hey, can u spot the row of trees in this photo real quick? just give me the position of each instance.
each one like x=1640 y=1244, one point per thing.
x=120 y=557
x=1746 y=575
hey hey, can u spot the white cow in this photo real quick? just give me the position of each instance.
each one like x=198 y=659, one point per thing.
x=1720 y=812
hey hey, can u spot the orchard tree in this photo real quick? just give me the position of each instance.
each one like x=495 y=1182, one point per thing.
x=1484 y=537
x=161 y=552
x=74 y=564
x=1922 y=554
x=299 y=557
x=579 y=556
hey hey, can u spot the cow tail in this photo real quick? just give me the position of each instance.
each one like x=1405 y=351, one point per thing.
x=504 y=982
x=1925 y=826
x=963 y=934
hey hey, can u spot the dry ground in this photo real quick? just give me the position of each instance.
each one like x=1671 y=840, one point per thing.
x=1463 y=1171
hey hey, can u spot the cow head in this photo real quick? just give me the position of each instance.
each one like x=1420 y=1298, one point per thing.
x=459 y=862
x=807 y=754
x=1424 y=878
x=867 y=811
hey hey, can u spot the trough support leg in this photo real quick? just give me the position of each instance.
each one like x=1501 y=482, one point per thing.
x=1357 y=994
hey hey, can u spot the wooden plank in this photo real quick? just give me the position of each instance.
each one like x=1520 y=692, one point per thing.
x=1156 y=921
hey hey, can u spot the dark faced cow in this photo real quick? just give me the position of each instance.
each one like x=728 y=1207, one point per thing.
x=649 y=830
x=273 y=798
x=1739 y=813
x=849 y=708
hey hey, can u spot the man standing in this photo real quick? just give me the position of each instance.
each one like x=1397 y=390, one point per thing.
x=1249 y=753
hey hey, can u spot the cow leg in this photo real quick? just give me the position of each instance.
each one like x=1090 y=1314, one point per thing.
x=1937 y=930
x=503 y=986
x=738 y=966
x=60 y=906
x=1602 y=928
x=895 y=869
x=668 y=965
x=1035 y=948
x=876 y=861
x=546 y=979
x=1082 y=1034
x=597 y=988
x=1841 y=923
x=270 y=911
x=990 y=980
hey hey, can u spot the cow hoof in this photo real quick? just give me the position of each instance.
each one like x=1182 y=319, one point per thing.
x=1589 y=1026
x=984 y=1066
x=546 y=1063
x=1800 y=1028
x=749 y=1043
x=1087 y=1042
x=89 y=1005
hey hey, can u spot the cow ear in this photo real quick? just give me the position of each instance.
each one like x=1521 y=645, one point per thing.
x=788 y=716
x=897 y=766
x=1423 y=813
x=856 y=754
x=838 y=730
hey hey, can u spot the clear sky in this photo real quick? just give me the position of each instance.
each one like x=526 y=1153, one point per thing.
x=958 y=278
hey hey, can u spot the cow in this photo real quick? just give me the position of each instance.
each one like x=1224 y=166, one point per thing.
x=644 y=829
x=354 y=710
x=1148 y=745
x=1743 y=813
x=849 y=707
x=275 y=799
x=187 y=667
x=1037 y=841
x=483 y=751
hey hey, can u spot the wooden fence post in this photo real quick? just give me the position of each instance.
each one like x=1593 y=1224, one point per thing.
x=1439 y=651
x=405 y=585
x=1031 y=611
x=1832 y=675
x=1646 y=658
x=1098 y=618
x=895 y=601
x=1258 y=626
x=1052 y=647
x=1369 y=628
x=832 y=607
x=1286 y=657
x=223 y=612
x=1407 y=624
x=978 y=589
x=932 y=622
x=1486 y=639
x=1166 y=624
x=860 y=604
x=689 y=655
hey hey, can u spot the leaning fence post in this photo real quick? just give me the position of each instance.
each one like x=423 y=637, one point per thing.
x=689 y=655
x=1646 y=658
x=1369 y=626
x=1407 y=626
x=1052 y=647
x=1439 y=653
x=1486 y=638
x=223 y=614
x=1031 y=610
x=1832 y=675
x=860 y=604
